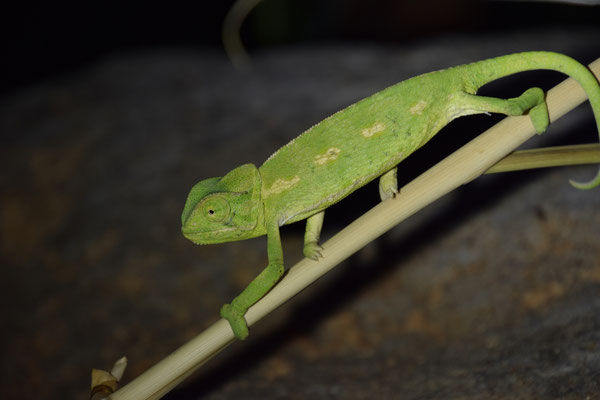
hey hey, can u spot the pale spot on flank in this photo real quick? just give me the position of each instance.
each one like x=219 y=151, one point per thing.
x=281 y=184
x=330 y=155
x=377 y=127
x=418 y=108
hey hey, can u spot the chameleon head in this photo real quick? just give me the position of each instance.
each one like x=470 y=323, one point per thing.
x=224 y=209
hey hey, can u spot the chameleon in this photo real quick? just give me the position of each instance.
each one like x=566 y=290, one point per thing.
x=365 y=141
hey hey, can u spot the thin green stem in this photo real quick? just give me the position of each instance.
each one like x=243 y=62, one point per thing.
x=548 y=157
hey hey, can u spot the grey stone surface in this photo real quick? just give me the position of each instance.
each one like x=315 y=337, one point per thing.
x=492 y=292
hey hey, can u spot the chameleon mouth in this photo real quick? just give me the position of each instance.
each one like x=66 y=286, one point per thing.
x=211 y=237
x=199 y=237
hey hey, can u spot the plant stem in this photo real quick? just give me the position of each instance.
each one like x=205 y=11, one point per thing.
x=548 y=157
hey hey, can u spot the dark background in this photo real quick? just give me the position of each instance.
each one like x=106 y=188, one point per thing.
x=110 y=112
x=41 y=40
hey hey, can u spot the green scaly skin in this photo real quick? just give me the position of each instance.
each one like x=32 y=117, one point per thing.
x=351 y=148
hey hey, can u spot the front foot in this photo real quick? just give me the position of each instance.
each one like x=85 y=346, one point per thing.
x=312 y=250
x=236 y=321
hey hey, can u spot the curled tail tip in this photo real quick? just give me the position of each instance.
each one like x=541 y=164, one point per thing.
x=586 y=185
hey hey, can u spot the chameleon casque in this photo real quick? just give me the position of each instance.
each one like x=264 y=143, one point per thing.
x=351 y=148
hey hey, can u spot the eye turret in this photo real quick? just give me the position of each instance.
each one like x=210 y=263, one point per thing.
x=215 y=208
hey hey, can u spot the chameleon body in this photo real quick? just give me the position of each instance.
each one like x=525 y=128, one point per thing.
x=351 y=148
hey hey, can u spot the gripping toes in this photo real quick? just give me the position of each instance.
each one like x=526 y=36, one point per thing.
x=539 y=117
x=236 y=321
x=388 y=184
x=533 y=101
x=312 y=250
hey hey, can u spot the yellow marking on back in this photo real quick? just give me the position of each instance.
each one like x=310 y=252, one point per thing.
x=281 y=184
x=377 y=127
x=330 y=155
x=418 y=108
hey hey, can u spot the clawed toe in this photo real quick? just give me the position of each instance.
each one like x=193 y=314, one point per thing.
x=236 y=321
x=389 y=193
x=312 y=250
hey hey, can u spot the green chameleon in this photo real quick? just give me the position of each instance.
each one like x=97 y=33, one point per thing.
x=349 y=149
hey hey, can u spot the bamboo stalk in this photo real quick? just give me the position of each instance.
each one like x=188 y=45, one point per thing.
x=462 y=166
x=548 y=157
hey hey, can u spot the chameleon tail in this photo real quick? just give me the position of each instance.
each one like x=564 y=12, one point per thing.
x=495 y=68
x=592 y=183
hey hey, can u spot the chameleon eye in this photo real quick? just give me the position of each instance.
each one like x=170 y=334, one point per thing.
x=215 y=208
